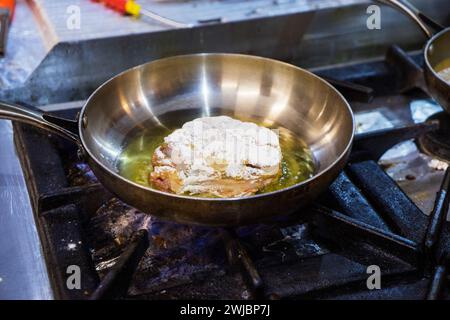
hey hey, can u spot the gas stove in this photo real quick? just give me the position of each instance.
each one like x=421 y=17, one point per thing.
x=381 y=213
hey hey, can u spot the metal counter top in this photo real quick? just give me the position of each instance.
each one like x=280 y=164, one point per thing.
x=23 y=274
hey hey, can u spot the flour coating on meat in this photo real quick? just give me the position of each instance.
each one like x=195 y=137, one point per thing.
x=217 y=156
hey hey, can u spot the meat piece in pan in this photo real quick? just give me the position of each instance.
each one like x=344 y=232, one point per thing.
x=217 y=157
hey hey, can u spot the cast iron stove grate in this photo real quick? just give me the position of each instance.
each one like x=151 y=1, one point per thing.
x=363 y=220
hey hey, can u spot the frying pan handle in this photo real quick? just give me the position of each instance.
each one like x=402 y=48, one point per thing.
x=426 y=24
x=65 y=128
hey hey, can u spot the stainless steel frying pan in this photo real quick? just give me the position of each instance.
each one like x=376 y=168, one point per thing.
x=208 y=84
x=436 y=50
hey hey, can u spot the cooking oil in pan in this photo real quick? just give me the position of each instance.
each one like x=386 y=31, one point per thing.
x=443 y=70
x=135 y=161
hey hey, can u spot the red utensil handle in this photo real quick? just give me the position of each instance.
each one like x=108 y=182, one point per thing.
x=123 y=6
x=117 y=5
x=8 y=4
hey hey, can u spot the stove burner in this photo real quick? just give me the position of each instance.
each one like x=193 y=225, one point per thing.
x=437 y=143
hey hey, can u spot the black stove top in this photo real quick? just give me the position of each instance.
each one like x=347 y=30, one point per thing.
x=363 y=224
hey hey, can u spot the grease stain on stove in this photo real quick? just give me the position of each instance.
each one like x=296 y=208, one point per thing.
x=296 y=237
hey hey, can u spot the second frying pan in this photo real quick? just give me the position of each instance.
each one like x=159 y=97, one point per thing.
x=436 y=52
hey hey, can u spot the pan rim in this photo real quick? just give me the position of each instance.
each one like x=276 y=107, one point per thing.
x=116 y=175
x=426 y=51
